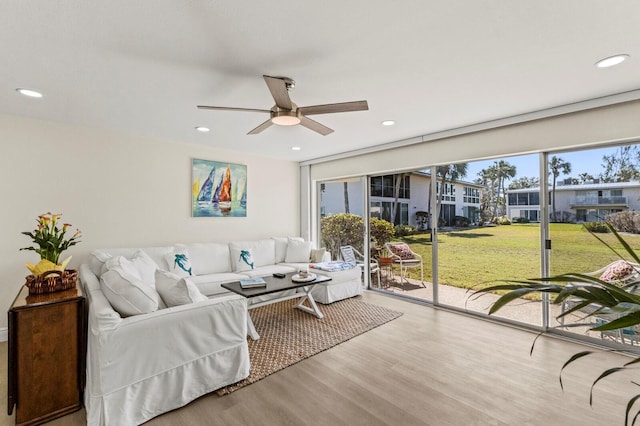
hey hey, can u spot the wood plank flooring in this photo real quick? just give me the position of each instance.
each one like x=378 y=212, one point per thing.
x=428 y=367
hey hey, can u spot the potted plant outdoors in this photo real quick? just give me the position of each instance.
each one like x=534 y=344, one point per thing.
x=49 y=274
x=608 y=300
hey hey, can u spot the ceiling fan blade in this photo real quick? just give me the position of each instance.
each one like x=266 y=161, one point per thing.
x=315 y=126
x=278 y=89
x=261 y=127
x=331 y=108
x=232 y=109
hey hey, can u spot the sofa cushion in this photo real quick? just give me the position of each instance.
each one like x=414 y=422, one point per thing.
x=175 y=290
x=126 y=292
x=210 y=284
x=281 y=247
x=402 y=250
x=263 y=251
x=267 y=270
x=209 y=258
x=298 y=251
x=619 y=270
x=179 y=262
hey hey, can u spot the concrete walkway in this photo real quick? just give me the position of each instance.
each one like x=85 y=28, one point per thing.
x=524 y=311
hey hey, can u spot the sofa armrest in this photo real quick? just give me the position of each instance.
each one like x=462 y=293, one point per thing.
x=146 y=345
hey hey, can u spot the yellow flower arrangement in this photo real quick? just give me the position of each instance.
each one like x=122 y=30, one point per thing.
x=51 y=242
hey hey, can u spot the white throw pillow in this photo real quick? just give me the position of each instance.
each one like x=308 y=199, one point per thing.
x=281 y=247
x=97 y=259
x=243 y=259
x=127 y=293
x=176 y=291
x=298 y=251
x=317 y=255
x=179 y=262
x=139 y=265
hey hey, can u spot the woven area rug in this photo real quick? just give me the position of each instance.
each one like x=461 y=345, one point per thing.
x=289 y=335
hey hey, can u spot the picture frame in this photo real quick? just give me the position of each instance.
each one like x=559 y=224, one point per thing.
x=218 y=189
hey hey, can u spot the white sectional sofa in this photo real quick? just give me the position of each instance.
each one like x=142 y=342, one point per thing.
x=145 y=358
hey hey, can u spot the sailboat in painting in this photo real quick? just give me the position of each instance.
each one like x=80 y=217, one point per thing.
x=215 y=198
x=241 y=192
x=204 y=196
x=225 y=192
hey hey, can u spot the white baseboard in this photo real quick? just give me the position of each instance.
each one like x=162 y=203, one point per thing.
x=4 y=334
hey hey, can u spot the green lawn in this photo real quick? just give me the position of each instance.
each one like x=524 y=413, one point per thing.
x=476 y=256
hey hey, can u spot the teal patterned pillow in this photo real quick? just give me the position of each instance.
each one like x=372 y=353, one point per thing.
x=179 y=262
x=244 y=260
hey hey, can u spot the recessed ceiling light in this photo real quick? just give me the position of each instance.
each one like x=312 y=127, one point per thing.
x=295 y=148
x=388 y=123
x=30 y=93
x=202 y=129
x=611 y=61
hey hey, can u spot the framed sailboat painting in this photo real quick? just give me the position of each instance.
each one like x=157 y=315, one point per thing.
x=218 y=189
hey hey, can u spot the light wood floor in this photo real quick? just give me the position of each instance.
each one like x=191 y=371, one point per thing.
x=428 y=367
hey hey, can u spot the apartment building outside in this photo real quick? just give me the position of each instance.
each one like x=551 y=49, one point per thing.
x=460 y=198
x=576 y=203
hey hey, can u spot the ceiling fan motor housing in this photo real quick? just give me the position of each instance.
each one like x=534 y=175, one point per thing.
x=285 y=117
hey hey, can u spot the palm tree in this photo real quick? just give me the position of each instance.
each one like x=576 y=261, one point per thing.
x=399 y=178
x=346 y=197
x=556 y=166
x=450 y=173
x=489 y=180
x=585 y=177
x=503 y=171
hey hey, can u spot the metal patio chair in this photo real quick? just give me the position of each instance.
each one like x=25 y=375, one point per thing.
x=406 y=259
x=353 y=256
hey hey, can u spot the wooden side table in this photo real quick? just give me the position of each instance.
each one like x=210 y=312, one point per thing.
x=47 y=350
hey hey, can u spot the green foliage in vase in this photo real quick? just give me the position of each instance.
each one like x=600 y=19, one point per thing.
x=49 y=238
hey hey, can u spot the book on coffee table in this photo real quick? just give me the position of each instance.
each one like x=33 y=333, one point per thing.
x=253 y=282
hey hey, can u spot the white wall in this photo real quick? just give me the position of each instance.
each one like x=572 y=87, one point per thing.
x=123 y=191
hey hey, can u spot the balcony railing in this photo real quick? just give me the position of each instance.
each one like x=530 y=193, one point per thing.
x=599 y=201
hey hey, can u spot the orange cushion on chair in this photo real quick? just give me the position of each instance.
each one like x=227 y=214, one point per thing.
x=617 y=271
x=401 y=250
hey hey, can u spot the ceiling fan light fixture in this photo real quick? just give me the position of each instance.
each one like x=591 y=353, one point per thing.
x=611 y=61
x=285 y=118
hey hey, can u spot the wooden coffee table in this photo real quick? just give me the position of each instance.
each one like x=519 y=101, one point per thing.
x=275 y=285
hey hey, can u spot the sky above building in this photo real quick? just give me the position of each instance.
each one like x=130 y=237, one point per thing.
x=586 y=161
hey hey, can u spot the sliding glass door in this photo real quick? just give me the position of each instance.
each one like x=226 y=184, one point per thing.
x=488 y=231
x=586 y=189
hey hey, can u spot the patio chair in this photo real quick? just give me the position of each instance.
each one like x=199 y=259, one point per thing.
x=625 y=275
x=353 y=256
x=405 y=258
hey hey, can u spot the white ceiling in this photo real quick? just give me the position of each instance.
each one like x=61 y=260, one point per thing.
x=141 y=67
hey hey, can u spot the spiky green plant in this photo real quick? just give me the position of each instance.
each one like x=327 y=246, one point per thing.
x=612 y=301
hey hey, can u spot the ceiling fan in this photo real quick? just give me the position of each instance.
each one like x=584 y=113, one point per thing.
x=286 y=113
